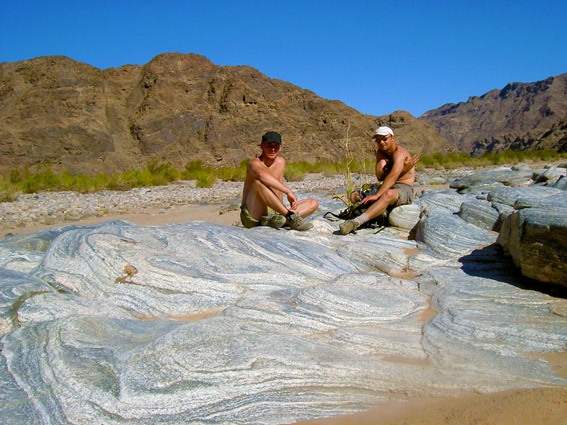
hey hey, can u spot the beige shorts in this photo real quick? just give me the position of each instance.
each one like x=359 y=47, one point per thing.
x=405 y=193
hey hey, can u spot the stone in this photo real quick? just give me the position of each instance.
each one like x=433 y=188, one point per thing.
x=536 y=238
x=405 y=216
x=388 y=255
x=509 y=196
x=481 y=214
x=449 y=235
x=505 y=176
x=197 y=322
x=549 y=176
x=561 y=183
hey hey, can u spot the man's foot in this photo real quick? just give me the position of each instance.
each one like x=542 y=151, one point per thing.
x=299 y=223
x=347 y=227
x=275 y=221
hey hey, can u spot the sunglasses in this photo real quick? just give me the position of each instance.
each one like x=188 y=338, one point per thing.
x=378 y=140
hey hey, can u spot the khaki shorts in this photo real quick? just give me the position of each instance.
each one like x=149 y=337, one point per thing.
x=247 y=220
x=405 y=193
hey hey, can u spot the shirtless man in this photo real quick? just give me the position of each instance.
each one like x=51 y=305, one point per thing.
x=262 y=195
x=395 y=168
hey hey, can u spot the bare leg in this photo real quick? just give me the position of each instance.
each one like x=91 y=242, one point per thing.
x=260 y=197
x=306 y=207
x=354 y=197
x=377 y=208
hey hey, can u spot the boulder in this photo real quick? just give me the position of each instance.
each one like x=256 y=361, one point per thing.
x=480 y=213
x=405 y=216
x=449 y=235
x=506 y=177
x=536 y=239
x=197 y=322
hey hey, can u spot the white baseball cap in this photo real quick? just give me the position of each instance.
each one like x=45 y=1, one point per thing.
x=384 y=131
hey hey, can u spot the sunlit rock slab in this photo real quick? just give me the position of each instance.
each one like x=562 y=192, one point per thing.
x=449 y=235
x=200 y=323
x=273 y=357
x=15 y=288
x=380 y=252
x=489 y=322
x=505 y=176
x=182 y=269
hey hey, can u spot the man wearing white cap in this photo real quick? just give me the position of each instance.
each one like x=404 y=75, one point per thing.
x=395 y=168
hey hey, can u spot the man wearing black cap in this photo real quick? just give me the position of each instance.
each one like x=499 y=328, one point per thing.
x=262 y=195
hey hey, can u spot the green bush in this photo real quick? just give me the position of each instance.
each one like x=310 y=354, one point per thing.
x=206 y=179
x=42 y=178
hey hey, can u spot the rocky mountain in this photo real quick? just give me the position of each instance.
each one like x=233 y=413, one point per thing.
x=176 y=108
x=521 y=116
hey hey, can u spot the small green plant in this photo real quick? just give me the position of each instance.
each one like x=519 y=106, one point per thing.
x=43 y=178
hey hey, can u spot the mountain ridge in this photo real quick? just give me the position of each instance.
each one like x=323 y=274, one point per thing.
x=519 y=116
x=176 y=108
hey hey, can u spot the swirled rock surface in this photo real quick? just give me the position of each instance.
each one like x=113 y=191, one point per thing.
x=198 y=323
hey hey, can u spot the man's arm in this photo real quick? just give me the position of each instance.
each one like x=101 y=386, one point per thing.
x=259 y=170
x=390 y=179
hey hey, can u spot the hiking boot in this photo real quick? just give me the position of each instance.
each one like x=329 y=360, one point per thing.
x=275 y=221
x=347 y=227
x=298 y=223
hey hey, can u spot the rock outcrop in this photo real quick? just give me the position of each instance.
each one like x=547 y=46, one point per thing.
x=176 y=108
x=196 y=322
x=521 y=116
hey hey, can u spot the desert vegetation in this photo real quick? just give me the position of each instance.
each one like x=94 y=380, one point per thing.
x=43 y=178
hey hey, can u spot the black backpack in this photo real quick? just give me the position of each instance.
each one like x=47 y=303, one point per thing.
x=356 y=209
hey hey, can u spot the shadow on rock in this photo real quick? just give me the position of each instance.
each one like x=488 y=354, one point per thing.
x=491 y=263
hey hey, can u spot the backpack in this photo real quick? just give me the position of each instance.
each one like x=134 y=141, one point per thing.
x=356 y=209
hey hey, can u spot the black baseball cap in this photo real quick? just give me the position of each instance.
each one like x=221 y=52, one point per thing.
x=272 y=136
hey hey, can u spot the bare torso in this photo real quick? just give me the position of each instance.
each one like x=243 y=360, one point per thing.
x=385 y=162
x=276 y=169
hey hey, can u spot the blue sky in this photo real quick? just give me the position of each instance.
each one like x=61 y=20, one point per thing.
x=376 y=56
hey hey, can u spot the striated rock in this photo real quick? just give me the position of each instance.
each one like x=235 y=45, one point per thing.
x=450 y=235
x=550 y=175
x=190 y=323
x=388 y=255
x=536 y=239
x=561 y=183
x=506 y=176
x=15 y=288
x=480 y=213
x=405 y=216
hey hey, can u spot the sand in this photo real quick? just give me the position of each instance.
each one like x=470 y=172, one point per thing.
x=527 y=406
x=144 y=217
x=534 y=406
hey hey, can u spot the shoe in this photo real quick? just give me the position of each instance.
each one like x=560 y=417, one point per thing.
x=298 y=223
x=275 y=221
x=347 y=227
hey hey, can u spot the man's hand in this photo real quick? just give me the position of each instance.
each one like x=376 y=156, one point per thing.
x=292 y=200
x=371 y=198
x=409 y=163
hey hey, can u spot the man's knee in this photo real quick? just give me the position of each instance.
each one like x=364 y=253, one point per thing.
x=391 y=196
x=354 y=196
x=313 y=204
x=308 y=206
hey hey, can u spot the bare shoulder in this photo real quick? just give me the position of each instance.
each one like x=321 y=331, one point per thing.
x=401 y=153
x=254 y=162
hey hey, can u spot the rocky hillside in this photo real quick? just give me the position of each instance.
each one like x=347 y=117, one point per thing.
x=521 y=116
x=176 y=108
